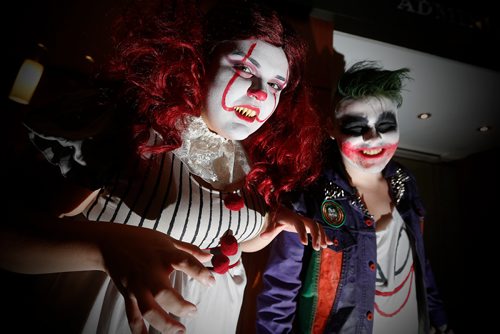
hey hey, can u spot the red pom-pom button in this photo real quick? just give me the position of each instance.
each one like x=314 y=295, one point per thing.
x=220 y=263
x=234 y=202
x=228 y=245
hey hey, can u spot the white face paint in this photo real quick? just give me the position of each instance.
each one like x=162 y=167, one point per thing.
x=247 y=79
x=367 y=133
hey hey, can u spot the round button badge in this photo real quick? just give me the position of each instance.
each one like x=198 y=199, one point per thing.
x=332 y=213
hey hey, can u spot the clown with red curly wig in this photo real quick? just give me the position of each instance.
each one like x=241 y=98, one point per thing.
x=185 y=147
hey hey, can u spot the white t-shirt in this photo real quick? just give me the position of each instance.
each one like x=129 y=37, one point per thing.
x=395 y=296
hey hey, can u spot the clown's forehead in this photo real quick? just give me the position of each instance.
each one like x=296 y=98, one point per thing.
x=367 y=107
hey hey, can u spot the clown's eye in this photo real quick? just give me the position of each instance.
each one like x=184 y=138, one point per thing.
x=275 y=86
x=243 y=70
x=354 y=130
x=387 y=127
x=353 y=125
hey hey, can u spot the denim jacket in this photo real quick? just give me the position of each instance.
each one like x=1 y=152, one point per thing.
x=298 y=297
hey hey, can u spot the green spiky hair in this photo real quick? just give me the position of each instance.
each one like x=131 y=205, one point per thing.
x=368 y=78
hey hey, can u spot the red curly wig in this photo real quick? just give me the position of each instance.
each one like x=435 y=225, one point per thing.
x=162 y=61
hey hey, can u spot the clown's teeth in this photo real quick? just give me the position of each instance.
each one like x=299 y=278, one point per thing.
x=245 y=111
x=373 y=151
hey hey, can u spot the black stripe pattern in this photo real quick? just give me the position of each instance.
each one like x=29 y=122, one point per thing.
x=167 y=198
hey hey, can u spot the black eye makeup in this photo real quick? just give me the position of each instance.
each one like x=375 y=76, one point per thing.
x=353 y=125
x=357 y=125
x=386 y=122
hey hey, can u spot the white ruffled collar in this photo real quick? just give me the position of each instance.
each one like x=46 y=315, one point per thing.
x=217 y=160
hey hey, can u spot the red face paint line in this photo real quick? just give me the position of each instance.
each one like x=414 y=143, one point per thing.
x=228 y=87
x=265 y=119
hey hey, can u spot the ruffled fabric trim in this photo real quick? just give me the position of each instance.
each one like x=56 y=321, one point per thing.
x=215 y=159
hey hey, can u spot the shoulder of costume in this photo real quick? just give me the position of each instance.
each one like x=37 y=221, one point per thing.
x=402 y=182
x=395 y=169
x=83 y=131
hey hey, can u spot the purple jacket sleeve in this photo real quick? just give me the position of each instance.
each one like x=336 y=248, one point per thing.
x=437 y=313
x=276 y=304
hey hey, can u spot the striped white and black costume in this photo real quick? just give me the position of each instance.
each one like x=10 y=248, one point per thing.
x=177 y=205
x=161 y=193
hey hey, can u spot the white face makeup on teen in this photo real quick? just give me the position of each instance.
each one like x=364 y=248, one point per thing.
x=247 y=78
x=367 y=133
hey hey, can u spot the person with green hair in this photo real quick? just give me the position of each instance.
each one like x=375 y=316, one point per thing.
x=375 y=277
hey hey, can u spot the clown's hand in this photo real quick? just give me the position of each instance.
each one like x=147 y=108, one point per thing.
x=285 y=219
x=139 y=261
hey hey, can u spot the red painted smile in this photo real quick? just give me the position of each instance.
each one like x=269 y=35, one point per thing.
x=369 y=156
x=372 y=153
